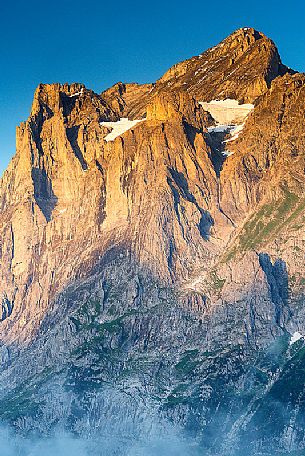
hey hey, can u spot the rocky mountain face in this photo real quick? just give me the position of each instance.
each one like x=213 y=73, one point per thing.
x=152 y=258
x=241 y=67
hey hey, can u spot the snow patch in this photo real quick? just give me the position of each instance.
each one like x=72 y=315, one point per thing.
x=232 y=130
x=230 y=103
x=76 y=94
x=235 y=132
x=295 y=337
x=221 y=128
x=227 y=153
x=228 y=111
x=119 y=127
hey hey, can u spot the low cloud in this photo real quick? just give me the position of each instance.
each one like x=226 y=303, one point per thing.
x=12 y=444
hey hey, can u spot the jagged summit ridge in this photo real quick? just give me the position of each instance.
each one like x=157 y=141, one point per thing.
x=241 y=67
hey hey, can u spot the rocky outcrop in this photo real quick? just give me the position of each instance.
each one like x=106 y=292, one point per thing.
x=129 y=100
x=177 y=107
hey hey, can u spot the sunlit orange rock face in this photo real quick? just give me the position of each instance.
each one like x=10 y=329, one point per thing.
x=153 y=196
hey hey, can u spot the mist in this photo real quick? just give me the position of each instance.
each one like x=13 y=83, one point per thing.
x=64 y=444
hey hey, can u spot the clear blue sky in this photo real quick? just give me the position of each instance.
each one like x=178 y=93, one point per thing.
x=100 y=42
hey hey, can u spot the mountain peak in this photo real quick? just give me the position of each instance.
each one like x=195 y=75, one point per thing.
x=249 y=31
x=240 y=67
x=244 y=37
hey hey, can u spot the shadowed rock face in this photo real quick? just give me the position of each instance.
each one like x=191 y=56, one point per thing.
x=152 y=264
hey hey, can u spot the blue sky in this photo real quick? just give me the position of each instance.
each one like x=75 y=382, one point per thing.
x=102 y=42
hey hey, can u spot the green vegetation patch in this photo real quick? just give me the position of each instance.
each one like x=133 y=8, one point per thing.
x=187 y=363
x=18 y=404
x=216 y=281
x=20 y=401
x=267 y=222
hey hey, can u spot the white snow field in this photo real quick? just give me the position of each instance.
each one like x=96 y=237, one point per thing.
x=227 y=112
x=295 y=337
x=229 y=116
x=76 y=94
x=119 y=127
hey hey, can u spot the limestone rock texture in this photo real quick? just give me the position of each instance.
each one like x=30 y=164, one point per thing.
x=158 y=277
